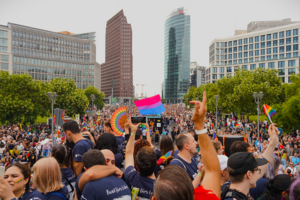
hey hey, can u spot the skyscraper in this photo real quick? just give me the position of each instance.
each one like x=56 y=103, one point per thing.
x=116 y=72
x=177 y=56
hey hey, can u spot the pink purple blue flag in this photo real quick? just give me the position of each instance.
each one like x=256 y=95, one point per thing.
x=150 y=106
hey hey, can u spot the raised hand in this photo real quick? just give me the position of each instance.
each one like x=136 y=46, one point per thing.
x=199 y=112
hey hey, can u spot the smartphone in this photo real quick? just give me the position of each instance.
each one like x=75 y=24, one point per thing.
x=137 y=119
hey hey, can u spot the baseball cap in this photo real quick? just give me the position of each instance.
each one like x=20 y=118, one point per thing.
x=223 y=161
x=241 y=162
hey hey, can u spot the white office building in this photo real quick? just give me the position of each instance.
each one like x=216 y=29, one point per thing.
x=275 y=48
x=5 y=49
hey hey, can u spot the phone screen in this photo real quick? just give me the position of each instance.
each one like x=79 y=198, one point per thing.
x=138 y=119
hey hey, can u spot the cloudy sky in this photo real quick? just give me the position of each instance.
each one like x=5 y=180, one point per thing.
x=209 y=19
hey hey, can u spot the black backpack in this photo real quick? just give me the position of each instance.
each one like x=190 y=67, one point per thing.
x=229 y=193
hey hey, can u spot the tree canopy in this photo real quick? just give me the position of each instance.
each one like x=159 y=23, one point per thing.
x=98 y=95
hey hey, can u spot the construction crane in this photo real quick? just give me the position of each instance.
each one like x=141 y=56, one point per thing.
x=142 y=89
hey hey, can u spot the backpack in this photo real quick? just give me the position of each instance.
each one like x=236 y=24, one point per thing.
x=55 y=194
x=229 y=193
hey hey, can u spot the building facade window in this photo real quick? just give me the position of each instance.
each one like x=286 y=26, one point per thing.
x=295 y=47
x=246 y=48
x=281 y=42
x=275 y=35
x=246 y=41
x=269 y=51
x=257 y=39
x=281 y=72
x=252 y=67
x=281 y=64
x=256 y=45
x=256 y=52
x=221 y=75
x=281 y=56
x=295 y=32
x=245 y=67
x=271 y=65
x=295 y=39
x=292 y=63
x=4 y=66
x=288 y=33
x=221 y=69
x=229 y=69
x=3 y=33
x=281 y=34
x=262 y=52
x=251 y=47
x=288 y=48
x=275 y=50
x=281 y=49
x=214 y=76
x=240 y=42
x=262 y=38
x=275 y=57
x=275 y=43
x=214 y=70
x=269 y=37
x=251 y=40
x=269 y=44
x=288 y=55
x=292 y=71
x=4 y=58
x=288 y=40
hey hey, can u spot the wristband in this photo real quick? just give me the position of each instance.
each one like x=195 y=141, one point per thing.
x=199 y=174
x=265 y=158
x=132 y=133
x=203 y=131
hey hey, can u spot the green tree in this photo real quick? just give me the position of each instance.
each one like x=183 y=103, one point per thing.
x=22 y=99
x=71 y=99
x=288 y=113
x=98 y=95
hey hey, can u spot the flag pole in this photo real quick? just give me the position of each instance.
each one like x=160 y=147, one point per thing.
x=268 y=114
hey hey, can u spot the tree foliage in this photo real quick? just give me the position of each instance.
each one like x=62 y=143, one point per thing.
x=71 y=99
x=236 y=93
x=98 y=95
x=288 y=113
x=21 y=98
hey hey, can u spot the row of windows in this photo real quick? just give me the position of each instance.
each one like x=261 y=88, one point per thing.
x=49 y=55
x=261 y=38
x=3 y=33
x=281 y=64
x=3 y=41
x=262 y=52
x=262 y=45
x=256 y=59
x=46 y=47
x=48 y=39
x=39 y=69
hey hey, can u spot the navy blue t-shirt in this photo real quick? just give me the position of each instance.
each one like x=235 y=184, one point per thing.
x=120 y=142
x=69 y=174
x=108 y=188
x=78 y=192
x=134 y=179
x=80 y=148
x=33 y=194
x=190 y=168
x=259 y=189
x=177 y=151
x=64 y=191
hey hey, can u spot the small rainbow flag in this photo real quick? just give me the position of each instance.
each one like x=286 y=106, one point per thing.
x=269 y=112
x=162 y=159
x=58 y=134
x=84 y=127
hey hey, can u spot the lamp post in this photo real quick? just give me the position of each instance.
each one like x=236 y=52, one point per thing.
x=197 y=98
x=258 y=99
x=93 y=98
x=52 y=97
x=216 y=98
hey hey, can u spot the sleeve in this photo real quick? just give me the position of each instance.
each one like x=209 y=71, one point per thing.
x=78 y=152
x=88 y=192
x=129 y=174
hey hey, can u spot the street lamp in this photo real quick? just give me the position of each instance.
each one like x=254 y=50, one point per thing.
x=216 y=98
x=52 y=97
x=93 y=98
x=258 y=99
x=197 y=98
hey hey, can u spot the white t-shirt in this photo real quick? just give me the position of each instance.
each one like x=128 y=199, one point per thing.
x=293 y=170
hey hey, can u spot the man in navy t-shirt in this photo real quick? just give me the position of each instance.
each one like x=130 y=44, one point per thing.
x=82 y=145
x=120 y=139
x=146 y=164
x=108 y=188
x=187 y=146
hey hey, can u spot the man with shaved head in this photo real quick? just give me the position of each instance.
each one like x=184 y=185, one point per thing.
x=109 y=157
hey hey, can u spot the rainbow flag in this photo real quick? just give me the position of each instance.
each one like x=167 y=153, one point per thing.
x=151 y=105
x=269 y=112
x=84 y=127
x=237 y=125
x=58 y=134
x=162 y=159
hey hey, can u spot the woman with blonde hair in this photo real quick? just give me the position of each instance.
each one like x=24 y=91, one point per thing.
x=47 y=179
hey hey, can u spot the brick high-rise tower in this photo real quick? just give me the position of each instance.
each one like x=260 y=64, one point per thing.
x=118 y=59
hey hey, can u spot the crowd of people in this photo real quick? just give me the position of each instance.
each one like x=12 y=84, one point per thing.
x=179 y=157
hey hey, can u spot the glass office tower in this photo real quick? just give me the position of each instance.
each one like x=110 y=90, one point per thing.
x=177 y=56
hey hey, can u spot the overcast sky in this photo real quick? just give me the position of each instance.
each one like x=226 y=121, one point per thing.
x=209 y=19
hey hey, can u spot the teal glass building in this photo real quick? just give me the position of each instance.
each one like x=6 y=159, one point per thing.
x=176 y=56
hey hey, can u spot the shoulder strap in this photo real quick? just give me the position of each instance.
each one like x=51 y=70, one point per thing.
x=181 y=163
x=229 y=193
x=68 y=182
x=56 y=194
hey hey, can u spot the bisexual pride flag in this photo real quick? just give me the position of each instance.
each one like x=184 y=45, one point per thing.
x=150 y=106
